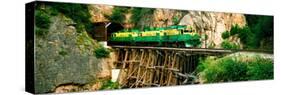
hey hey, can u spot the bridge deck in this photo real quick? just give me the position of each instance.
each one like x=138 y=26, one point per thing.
x=198 y=50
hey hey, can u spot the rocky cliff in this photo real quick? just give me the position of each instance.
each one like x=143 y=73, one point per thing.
x=212 y=25
x=64 y=56
x=98 y=11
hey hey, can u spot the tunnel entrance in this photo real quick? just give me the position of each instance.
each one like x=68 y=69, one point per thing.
x=103 y=30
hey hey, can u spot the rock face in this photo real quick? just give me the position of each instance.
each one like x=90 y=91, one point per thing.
x=98 y=12
x=106 y=66
x=161 y=18
x=212 y=24
x=64 y=56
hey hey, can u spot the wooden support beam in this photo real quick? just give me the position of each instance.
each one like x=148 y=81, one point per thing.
x=143 y=67
x=170 y=73
x=123 y=67
x=162 y=71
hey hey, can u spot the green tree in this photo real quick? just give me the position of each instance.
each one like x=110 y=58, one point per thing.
x=229 y=45
x=261 y=28
x=225 y=34
x=79 y=13
x=118 y=14
x=139 y=13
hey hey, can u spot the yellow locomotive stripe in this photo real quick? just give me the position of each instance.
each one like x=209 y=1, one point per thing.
x=126 y=34
x=149 y=33
x=171 y=32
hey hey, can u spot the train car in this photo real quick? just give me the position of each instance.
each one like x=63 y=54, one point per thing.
x=172 y=36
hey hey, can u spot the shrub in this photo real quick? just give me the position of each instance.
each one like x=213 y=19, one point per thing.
x=225 y=35
x=234 y=29
x=229 y=45
x=101 y=52
x=226 y=69
x=175 y=20
x=109 y=85
x=247 y=38
x=138 y=13
x=233 y=70
x=260 y=69
x=42 y=22
x=258 y=28
x=79 y=13
x=118 y=14
x=42 y=19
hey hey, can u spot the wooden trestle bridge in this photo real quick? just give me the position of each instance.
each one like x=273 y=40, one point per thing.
x=159 y=66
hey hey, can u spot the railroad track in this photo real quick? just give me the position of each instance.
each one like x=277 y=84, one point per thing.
x=203 y=50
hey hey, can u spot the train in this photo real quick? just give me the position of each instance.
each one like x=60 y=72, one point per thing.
x=171 y=36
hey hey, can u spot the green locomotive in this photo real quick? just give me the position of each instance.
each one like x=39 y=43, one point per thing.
x=172 y=36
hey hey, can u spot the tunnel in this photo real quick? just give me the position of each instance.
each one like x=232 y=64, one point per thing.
x=103 y=30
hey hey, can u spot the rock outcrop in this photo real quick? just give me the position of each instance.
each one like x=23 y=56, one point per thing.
x=212 y=24
x=98 y=12
x=64 y=56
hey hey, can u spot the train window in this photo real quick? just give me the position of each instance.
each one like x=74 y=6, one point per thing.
x=186 y=30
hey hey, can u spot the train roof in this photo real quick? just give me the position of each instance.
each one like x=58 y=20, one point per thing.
x=155 y=28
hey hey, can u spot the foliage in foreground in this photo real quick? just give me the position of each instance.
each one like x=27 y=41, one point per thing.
x=109 y=85
x=101 y=52
x=227 y=69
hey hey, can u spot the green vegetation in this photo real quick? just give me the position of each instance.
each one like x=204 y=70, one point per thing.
x=79 y=13
x=85 y=43
x=138 y=13
x=42 y=22
x=262 y=30
x=101 y=52
x=226 y=69
x=243 y=33
x=107 y=85
x=225 y=35
x=118 y=14
x=260 y=69
x=176 y=20
x=235 y=29
x=229 y=45
x=257 y=34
